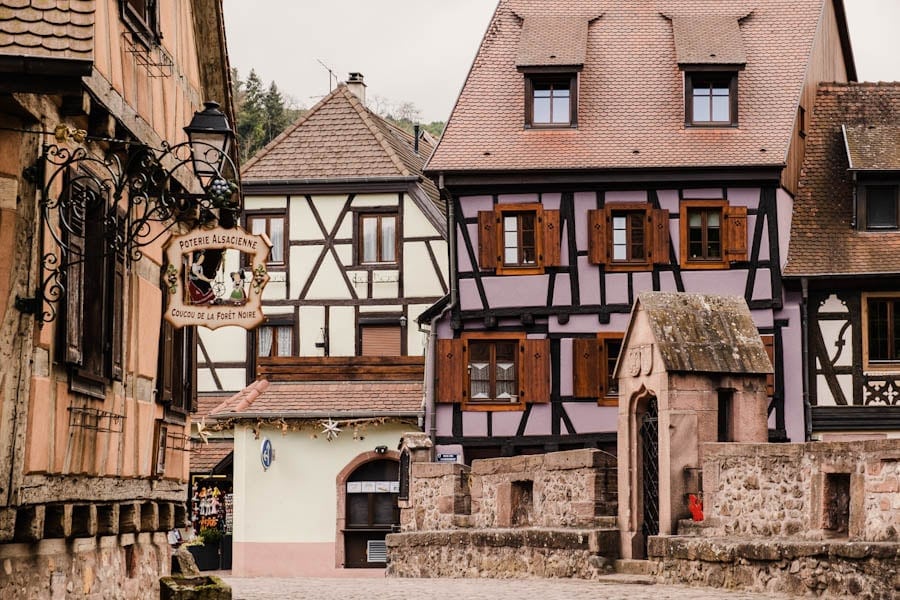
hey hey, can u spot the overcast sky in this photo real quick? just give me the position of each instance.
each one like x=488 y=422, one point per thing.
x=420 y=50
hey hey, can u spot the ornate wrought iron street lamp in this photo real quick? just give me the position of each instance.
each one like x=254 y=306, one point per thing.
x=132 y=195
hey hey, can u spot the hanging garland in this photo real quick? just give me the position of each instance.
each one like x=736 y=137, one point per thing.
x=329 y=428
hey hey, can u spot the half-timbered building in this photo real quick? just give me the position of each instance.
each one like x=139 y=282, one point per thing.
x=844 y=259
x=602 y=149
x=95 y=395
x=336 y=372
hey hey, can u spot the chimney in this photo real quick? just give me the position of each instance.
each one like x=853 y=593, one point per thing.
x=357 y=87
x=416 y=134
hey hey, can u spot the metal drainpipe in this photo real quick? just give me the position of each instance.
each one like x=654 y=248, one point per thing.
x=804 y=356
x=430 y=357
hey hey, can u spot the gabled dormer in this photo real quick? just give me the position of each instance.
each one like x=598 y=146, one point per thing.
x=873 y=157
x=551 y=55
x=710 y=52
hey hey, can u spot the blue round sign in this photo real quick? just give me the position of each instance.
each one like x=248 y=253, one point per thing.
x=266 y=455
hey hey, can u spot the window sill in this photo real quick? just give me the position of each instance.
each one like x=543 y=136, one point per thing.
x=608 y=401
x=511 y=270
x=493 y=407
x=551 y=127
x=880 y=370
x=704 y=264
x=617 y=266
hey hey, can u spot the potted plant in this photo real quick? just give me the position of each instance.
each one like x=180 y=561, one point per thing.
x=205 y=548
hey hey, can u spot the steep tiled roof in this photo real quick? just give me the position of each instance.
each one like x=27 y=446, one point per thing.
x=630 y=99
x=822 y=239
x=205 y=457
x=62 y=29
x=324 y=399
x=339 y=139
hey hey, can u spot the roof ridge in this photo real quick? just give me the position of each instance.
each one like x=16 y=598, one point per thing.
x=366 y=115
x=288 y=130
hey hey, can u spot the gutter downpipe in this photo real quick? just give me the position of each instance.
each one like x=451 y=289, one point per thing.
x=432 y=332
x=804 y=357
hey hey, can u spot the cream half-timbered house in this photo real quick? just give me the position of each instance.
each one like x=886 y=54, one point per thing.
x=358 y=253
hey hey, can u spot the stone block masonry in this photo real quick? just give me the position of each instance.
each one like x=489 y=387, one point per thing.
x=547 y=515
x=124 y=567
x=818 y=519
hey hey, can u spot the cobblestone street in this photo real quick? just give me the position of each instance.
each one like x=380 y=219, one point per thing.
x=469 y=589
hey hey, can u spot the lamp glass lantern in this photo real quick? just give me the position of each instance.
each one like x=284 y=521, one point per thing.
x=210 y=137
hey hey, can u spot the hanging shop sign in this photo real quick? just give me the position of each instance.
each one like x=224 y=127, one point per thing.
x=215 y=277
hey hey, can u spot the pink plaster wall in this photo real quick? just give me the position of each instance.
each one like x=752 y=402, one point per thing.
x=259 y=559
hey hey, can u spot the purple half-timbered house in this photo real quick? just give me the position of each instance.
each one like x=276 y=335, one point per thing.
x=599 y=149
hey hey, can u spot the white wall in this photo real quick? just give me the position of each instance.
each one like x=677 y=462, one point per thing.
x=295 y=500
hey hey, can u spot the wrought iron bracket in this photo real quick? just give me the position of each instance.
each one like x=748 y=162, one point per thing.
x=135 y=196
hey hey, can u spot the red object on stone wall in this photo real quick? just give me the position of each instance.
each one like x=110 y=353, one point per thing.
x=695 y=505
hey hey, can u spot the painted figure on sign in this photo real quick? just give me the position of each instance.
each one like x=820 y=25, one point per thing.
x=199 y=285
x=238 y=295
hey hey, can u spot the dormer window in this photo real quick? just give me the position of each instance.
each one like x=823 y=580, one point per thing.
x=710 y=99
x=550 y=100
x=709 y=50
x=879 y=206
x=551 y=53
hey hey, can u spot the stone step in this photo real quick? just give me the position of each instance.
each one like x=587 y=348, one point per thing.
x=632 y=567
x=622 y=578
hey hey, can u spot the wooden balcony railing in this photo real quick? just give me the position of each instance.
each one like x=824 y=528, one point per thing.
x=342 y=368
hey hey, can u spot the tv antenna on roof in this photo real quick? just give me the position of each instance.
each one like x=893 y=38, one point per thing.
x=332 y=76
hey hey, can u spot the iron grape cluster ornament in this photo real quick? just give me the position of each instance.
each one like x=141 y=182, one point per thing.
x=215 y=277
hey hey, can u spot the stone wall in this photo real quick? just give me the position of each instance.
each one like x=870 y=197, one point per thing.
x=813 y=491
x=502 y=553
x=559 y=489
x=818 y=519
x=549 y=515
x=126 y=567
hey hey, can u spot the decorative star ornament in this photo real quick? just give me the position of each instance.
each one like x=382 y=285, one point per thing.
x=201 y=430
x=330 y=429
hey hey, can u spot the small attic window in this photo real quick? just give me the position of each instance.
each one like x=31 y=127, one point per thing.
x=551 y=100
x=710 y=99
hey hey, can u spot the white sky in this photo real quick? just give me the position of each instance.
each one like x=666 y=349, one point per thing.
x=420 y=50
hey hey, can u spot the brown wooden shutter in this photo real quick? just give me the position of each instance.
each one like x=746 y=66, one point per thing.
x=659 y=222
x=598 y=245
x=74 y=309
x=165 y=374
x=380 y=340
x=586 y=365
x=117 y=299
x=769 y=344
x=551 y=238
x=534 y=371
x=190 y=348
x=451 y=370
x=736 y=233
x=74 y=305
x=487 y=239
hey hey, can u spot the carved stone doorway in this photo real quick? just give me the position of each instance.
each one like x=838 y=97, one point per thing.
x=649 y=436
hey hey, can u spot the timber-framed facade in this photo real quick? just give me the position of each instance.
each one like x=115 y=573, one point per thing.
x=631 y=196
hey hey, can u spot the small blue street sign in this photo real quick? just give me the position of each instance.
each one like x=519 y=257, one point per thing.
x=267 y=455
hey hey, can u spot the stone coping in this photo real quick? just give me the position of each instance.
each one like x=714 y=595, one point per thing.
x=554 y=461
x=592 y=540
x=770 y=549
x=887 y=449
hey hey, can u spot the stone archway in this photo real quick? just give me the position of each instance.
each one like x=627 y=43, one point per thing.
x=639 y=483
x=346 y=475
